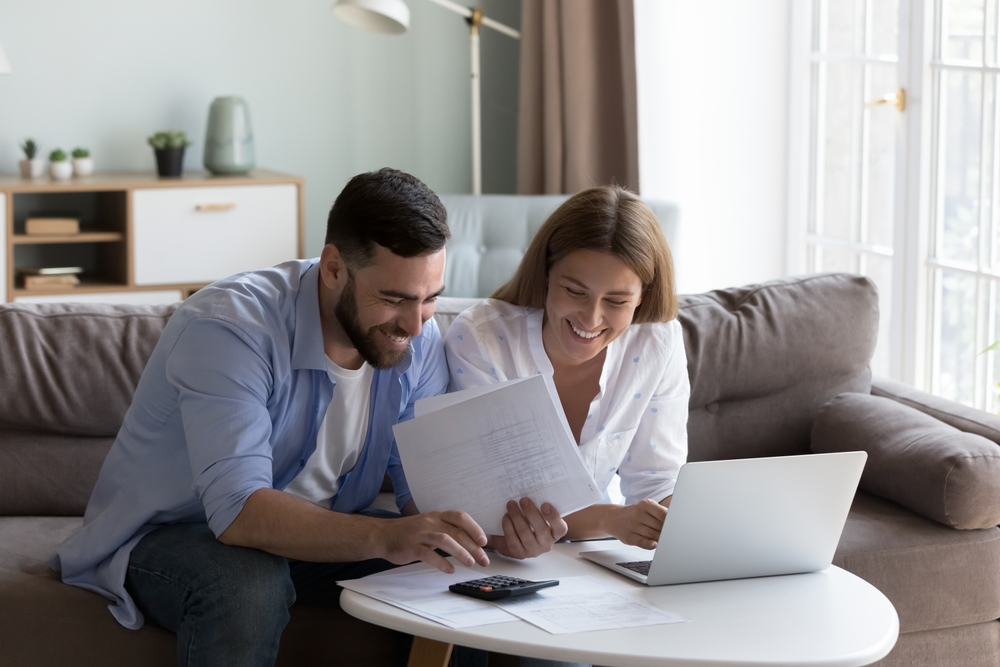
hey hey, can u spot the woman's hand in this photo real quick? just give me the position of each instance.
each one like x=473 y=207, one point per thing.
x=637 y=524
x=528 y=532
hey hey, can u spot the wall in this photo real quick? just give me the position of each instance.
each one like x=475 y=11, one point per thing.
x=327 y=101
x=712 y=82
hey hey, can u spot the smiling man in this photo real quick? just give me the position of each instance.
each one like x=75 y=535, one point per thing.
x=269 y=401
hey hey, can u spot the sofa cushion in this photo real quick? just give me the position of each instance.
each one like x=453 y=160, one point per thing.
x=915 y=460
x=72 y=368
x=45 y=622
x=762 y=360
x=48 y=473
x=949 y=647
x=935 y=576
x=962 y=417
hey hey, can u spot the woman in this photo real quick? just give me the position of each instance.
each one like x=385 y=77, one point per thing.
x=593 y=302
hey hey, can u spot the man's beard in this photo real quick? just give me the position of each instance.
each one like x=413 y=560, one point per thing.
x=365 y=342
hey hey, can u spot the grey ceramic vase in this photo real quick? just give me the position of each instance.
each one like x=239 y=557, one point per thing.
x=229 y=137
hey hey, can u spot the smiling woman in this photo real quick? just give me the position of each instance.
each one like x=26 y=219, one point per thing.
x=593 y=303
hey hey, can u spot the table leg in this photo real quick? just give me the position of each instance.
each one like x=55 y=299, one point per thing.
x=429 y=653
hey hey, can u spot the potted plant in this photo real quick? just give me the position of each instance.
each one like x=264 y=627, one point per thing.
x=59 y=166
x=83 y=164
x=169 y=147
x=31 y=166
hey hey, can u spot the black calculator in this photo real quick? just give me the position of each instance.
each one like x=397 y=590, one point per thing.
x=499 y=587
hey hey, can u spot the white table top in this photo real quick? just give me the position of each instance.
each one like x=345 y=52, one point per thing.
x=830 y=618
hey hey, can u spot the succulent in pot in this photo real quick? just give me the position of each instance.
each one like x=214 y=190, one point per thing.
x=59 y=165
x=83 y=164
x=169 y=148
x=31 y=166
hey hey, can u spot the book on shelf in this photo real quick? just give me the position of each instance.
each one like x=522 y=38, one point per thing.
x=49 y=270
x=51 y=226
x=51 y=282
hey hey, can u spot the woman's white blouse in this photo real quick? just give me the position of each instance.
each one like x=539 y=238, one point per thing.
x=637 y=423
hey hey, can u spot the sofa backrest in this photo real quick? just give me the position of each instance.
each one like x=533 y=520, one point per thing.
x=67 y=375
x=490 y=233
x=762 y=360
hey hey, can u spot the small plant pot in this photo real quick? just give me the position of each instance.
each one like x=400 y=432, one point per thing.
x=83 y=166
x=34 y=168
x=61 y=171
x=169 y=161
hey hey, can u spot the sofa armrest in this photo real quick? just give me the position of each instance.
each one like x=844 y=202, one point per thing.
x=962 y=417
x=914 y=459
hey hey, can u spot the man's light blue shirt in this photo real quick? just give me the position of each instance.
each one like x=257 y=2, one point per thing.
x=230 y=402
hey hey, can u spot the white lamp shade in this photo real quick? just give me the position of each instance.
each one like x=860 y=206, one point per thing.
x=4 y=63
x=385 y=16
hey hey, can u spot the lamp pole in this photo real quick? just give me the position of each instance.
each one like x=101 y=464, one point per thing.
x=477 y=113
x=474 y=17
x=4 y=63
x=393 y=17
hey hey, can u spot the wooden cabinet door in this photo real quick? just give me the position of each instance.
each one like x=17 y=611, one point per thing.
x=202 y=234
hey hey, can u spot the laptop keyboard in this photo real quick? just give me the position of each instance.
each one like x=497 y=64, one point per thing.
x=640 y=566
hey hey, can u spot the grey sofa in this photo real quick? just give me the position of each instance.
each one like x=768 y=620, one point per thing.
x=779 y=368
x=775 y=369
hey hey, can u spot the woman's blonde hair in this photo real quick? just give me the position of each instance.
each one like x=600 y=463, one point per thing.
x=606 y=219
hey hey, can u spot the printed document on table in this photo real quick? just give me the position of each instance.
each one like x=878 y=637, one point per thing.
x=582 y=604
x=425 y=593
x=486 y=448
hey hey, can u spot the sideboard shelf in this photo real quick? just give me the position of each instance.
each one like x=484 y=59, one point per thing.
x=149 y=239
x=96 y=287
x=82 y=237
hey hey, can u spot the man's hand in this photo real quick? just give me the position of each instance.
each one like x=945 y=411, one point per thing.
x=411 y=538
x=527 y=532
x=638 y=524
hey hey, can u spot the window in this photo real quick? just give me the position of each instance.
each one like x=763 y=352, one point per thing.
x=895 y=174
x=963 y=255
x=849 y=215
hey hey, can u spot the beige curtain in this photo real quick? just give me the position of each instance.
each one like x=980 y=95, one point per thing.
x=577 y=115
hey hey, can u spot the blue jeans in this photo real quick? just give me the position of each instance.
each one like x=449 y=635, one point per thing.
x=228 y=605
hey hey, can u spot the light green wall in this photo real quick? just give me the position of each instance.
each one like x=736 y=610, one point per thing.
x=327 y=101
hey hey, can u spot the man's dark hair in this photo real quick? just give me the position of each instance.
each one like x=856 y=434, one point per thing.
x=388 y=207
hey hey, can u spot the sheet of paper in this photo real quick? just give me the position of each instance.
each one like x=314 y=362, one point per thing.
x=506 y=444
x=426 y=594
x=428 y=405
x=582 y=604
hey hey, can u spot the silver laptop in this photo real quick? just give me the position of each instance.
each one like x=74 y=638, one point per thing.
x=747 y=518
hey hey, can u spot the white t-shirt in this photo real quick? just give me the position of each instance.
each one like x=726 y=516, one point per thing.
x=637 y=423
x=341 y=435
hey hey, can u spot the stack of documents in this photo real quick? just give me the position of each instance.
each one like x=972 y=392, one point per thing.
x=50 y=276
x=582 y=604
x=577 y=604
x=474 y=450
x=425 y=593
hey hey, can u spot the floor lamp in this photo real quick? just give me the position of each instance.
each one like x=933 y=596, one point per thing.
x=393 y=17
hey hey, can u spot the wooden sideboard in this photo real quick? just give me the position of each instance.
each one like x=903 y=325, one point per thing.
x=145 y=239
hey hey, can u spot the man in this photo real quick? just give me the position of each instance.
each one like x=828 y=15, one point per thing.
x=268 y=402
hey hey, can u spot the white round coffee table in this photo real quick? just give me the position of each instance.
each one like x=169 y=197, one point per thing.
x=830 y=618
